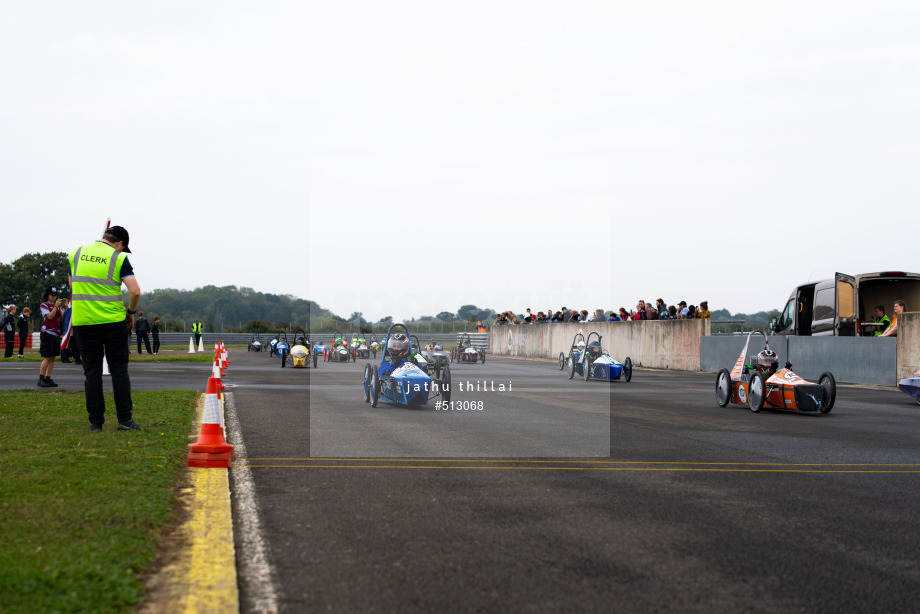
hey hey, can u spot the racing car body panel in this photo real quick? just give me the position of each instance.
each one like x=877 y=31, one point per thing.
x=406 y=385
x=911 y=386
x=606 y=368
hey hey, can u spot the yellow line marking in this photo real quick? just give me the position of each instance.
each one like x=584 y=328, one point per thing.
x=204 y=577
x=674 y=469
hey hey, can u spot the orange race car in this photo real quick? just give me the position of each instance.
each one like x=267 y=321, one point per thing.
x=761 y=383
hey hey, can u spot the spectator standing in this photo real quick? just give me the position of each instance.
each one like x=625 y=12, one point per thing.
x=155 y=329
x=584 y=315
x=672 y=313
x=624 y=316
x=50 y=336
x=691 y=312
x=23 y=324
x=8 y=326
x=101 y=321
x=650 y=312
x=480 y=327
x=197 y=330
x=892 y=330
x=703 y=311
x=881 y=318
x=682 y=310
x=599 y=315
x=142 y=329
x=662 y=309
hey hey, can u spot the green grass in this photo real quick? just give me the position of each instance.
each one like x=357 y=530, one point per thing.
x=80 y=512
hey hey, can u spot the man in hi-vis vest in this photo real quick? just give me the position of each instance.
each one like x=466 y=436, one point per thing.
x=101 y=322
x=196 y=328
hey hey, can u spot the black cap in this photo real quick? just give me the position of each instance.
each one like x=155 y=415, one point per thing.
x=120 y=234
x=684 y=303
x=51 y=290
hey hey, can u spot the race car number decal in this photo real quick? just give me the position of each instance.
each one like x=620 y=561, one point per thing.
x=742 y=393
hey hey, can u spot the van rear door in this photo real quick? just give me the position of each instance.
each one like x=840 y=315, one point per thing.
x=845 y=321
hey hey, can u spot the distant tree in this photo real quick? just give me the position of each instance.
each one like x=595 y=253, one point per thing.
x=23 y=281
x=446 y=316
x=467 y=311
x=257 y=326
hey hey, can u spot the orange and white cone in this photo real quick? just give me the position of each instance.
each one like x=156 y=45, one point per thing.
x=211 y=449
x=215 y=373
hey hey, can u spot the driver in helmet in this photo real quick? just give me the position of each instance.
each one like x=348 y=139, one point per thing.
x=580 y=347
x=767 y=361
x=432 y=345
x=396 y=354
x=594 y=349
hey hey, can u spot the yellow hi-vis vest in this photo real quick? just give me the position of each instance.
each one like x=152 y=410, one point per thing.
x=95 y=274
x=196 y=328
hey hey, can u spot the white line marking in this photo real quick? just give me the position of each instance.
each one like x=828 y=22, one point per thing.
x=256 y=572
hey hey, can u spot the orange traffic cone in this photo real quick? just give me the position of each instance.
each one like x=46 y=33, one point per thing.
x=215 y=373
x=211 y=449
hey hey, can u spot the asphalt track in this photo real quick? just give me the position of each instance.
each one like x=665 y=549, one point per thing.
x=692 y=507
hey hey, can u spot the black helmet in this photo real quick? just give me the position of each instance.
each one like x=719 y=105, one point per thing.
x=398 y=345
x=594 y=348
x=767 y=361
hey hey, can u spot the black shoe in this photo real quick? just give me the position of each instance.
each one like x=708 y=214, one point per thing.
x=49 y=383
x=78 y=362
x=95 y=428
x=130 y=425
x=68 y=361
x=42 y=384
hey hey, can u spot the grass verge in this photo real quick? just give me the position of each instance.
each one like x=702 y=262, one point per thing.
x=81 y=512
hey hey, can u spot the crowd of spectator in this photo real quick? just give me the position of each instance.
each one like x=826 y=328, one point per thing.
x=643 y=311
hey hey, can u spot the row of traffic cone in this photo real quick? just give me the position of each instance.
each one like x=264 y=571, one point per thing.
x=212 y=449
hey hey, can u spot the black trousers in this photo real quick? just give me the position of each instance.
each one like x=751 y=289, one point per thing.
x=197 y=340
x=10 y=338
x=156 y=343
x=112 y=340
x=146 y=339
x=22 y=343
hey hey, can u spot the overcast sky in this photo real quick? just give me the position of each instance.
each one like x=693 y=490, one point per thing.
x=404 y=158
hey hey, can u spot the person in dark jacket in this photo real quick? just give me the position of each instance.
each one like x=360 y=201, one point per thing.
x=8 y=326
x=155 y=329
x=142 y=328
x=22 y=322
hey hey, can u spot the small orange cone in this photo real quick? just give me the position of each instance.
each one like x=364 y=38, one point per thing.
x=211 y=441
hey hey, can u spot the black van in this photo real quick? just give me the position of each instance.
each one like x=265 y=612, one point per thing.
x=845 y=304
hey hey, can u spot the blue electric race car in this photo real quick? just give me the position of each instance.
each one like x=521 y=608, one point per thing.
x=589 y=360
x=405 y=383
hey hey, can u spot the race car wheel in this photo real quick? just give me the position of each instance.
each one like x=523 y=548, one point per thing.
x=353 y=358
x=561 y=361
x=367 y=382
x=375 y=387
x=829 y=384
x=587 y=369
x=571 y=367
x=723 y=387
x=437 y=370
x=283 y=358
x=757 y=392
x=445 y=384
x=627 y=369
x=315 y=359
